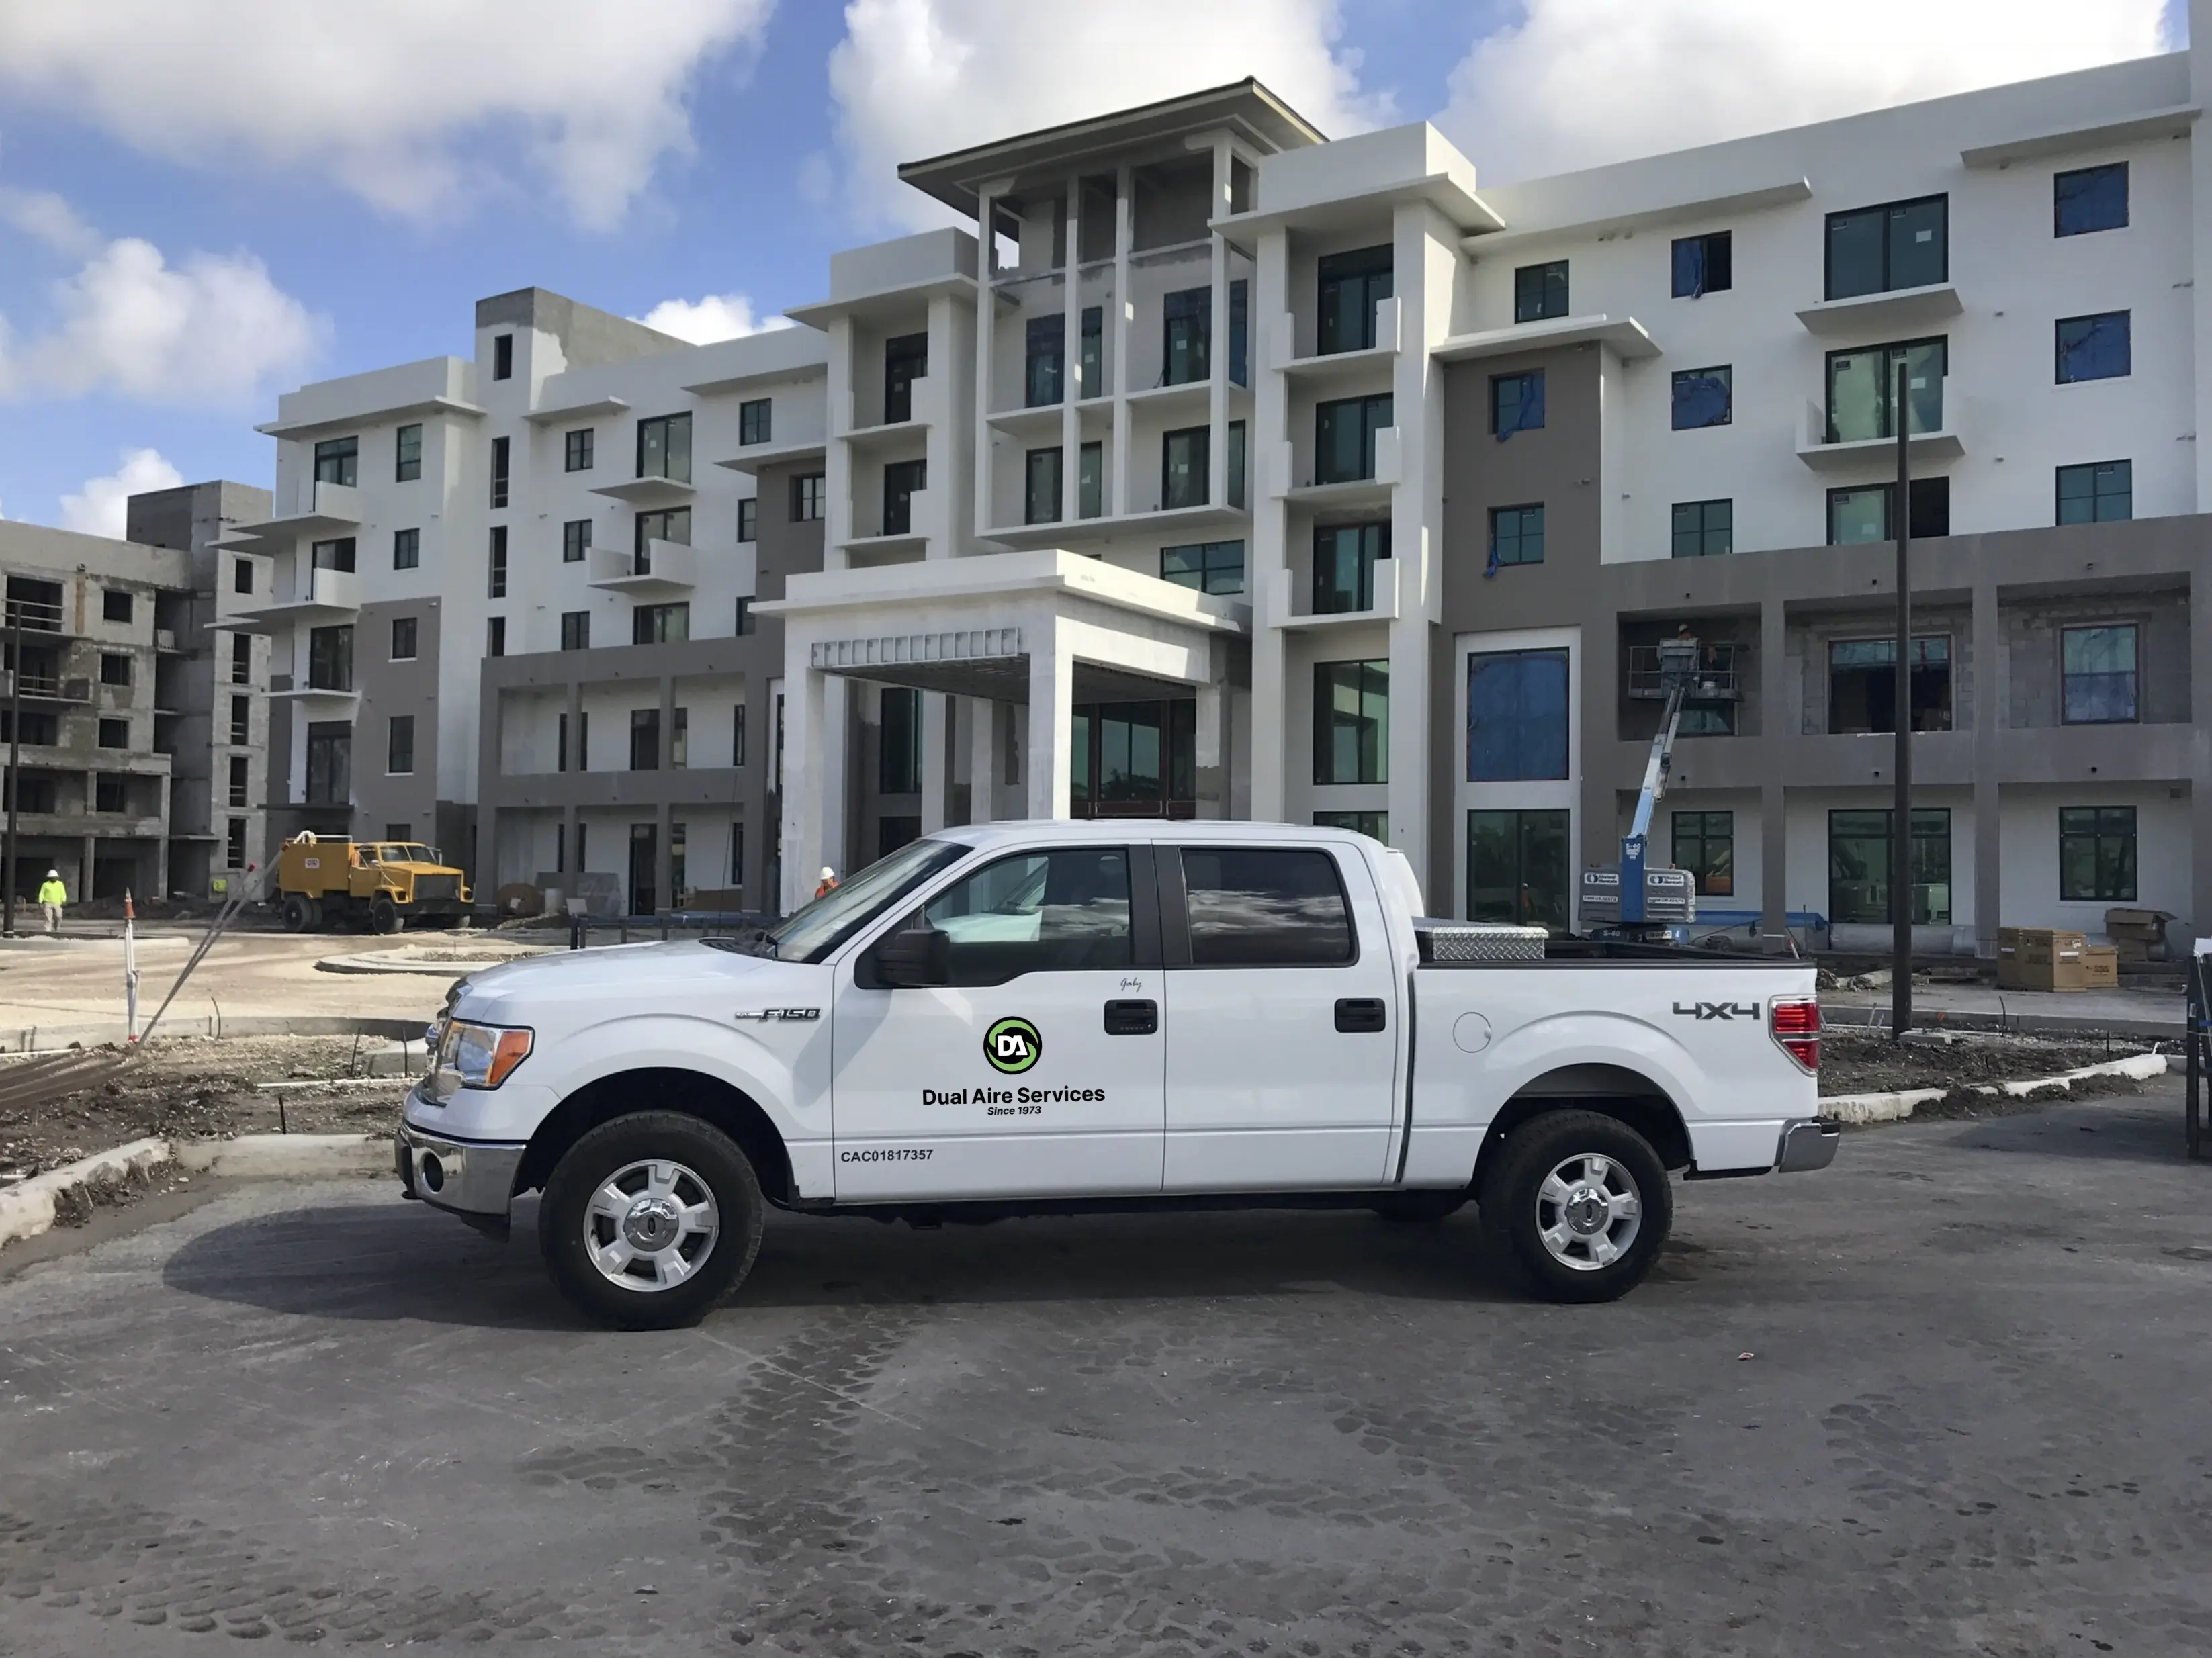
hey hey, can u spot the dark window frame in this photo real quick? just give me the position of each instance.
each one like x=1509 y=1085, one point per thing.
x=1370 y=734
x=1328 y=444
x=1518 y=517
x=338 y=460
x=2119 y=827
x=1698 y=829
x=1889 y=260
x=2087 y=326
x=1041 y=496
x=1199 y=439
x=748 y=520
x=2134 y=674
x=1925 y=840
x=1690 y=384
x=1704 y=530
x=2094 y=472
x=576 y=630
x=1371 y=546
x=407 y=453
x=407 y=549
x=575 y=540
x=756 y=420
x=406 y=639
x=1527 y=384
x=1540 y=292
x=502 y=464
x=809 y=493
x=580 y=449
x=1347 y=288
x=399 y=746
x=502 y=357
x=1695 y=270
x=2088 y=178
x=1212 y=567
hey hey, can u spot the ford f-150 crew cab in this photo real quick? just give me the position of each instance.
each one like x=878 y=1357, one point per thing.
x=1039 y=1018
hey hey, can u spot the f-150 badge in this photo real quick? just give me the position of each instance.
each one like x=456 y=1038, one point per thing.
x=796 y=1015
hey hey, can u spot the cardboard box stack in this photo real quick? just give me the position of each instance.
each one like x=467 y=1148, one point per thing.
x=2139 y=935
x=2042 y=958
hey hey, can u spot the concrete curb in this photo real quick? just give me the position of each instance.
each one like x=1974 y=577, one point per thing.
x=1896 y=1106
x=33 y=1207
x=439 y=969
x=41 y=1039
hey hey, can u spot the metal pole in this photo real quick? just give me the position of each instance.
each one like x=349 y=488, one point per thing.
x=14 y=753
x=1901 y=852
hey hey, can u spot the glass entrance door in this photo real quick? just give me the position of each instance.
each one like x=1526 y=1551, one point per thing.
x=1135 y=760
x=1517 y=868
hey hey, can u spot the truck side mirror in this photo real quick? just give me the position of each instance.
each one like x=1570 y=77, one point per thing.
x=914 y=959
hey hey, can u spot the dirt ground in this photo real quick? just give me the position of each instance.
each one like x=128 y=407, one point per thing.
x=1869 y=1062
x=202 y=1089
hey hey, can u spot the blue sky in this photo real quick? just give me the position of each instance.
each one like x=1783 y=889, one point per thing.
x=292 y=246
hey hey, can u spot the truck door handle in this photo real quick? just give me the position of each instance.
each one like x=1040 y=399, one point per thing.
x=1132 y=1018
x=1360 y=1015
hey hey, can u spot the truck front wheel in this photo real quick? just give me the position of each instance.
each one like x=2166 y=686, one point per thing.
x=384 y=915
x=650 y=1219
x=1579 y=1203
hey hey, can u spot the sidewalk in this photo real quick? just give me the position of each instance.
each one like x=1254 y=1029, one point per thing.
x=2126 y=1011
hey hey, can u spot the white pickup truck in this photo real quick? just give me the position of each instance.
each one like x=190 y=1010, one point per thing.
x=1026 y=1019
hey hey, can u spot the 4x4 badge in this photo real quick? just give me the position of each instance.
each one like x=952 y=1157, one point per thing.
x=1717 y=1010
x=1013 y=1045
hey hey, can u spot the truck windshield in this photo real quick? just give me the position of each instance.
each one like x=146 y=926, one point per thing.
x=812 y=932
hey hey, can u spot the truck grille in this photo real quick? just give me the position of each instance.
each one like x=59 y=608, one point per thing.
x=1479 y=942
x=437 y=886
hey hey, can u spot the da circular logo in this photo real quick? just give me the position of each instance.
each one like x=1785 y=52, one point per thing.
x=1012 y=1045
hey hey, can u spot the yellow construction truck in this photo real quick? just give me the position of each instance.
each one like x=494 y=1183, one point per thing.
x=323 y=882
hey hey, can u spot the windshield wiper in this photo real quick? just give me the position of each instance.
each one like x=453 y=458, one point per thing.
x=755 y=941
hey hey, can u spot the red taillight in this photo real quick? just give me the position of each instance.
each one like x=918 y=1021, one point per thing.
x=1795 y=1024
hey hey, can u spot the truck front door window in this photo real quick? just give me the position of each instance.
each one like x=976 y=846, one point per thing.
x=1044 y=911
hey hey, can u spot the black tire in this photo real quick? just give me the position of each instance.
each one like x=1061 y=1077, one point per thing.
x=707 y=1156
x=317 y=918
x=383 y=915
x=1418 y=1208
x=299 y=912
x=1516 y=1209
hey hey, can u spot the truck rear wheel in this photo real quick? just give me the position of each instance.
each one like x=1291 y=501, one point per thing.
x=650 y=1219
x=1578 y=1202
x=299 y=912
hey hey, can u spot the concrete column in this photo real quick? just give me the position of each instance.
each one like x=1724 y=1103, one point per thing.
x=1268 y=585
x=1071 y=347
x=2200 y=221
x=1774 y=704
x=1123 y=312
x=2199 y=919
x=983 y=760
x=1211 y=762
x=1052 y=703
x=1217 y=362
x=807 y=844
x=1988 y=798
x=833 y=783
x=987 y=206
x=936 y=760
x=664 y=890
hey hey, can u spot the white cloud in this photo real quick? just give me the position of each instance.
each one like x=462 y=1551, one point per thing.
x=914 y=78
x=209 y=332
x=102 y=506
x=1578 y=83
x=396 y=99
x=46 y=217
x=703 y=321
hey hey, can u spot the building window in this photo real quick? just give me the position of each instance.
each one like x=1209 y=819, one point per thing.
x=748 y=520
x=902 y=481
x=1863 y=684
x=906 y=360
x=744 y=618
x=664 y=448
x=1703 y=265
x=399 y=746
x=738 y=735
x=807 y=491
x=1517 y=868
x=1240 y=329
x=2097 y=854
x=407 y=457
x=1186 y=468
x=1872 y=250
x=329 y=659
x=577 y=449
x=1188 y=337
x=1211 y=567
x=1516 y=535
x=1862 y=389
x=670 y=524
x=42 y=730
x=2094 y=348
x=330 y=763
x=2098 y=667
x=241 y=660
x=645 y=739
x=661 y=624
x=1703 y=529
x=738 y=856
x=679 y=736
x=2089 y=198
x=583 y=759
x=1539 y=291
x=1344 y=559
x=495 y=584
x=1860 y=845
x=1236 y=448
x=407 y=549
x=502 y=357
x=115 y=605
x=1351 y=286
x=338 y=461
x=898 y=759
x=115 y=733
x=576 y=630
x=1861 y=513
x=108 y=794
x=1091 y=366
x=753 y=420
x=1344 y=437
x=1516 y=716
x=114 y=668
x=1702 y=397
x=1375 y=825
x=575 y=540
x=503 y=453
x=403 y=638
x=1045 y=360
x=1040 y=487
x=241 y=721
x=2097 y=492
x=1705 y=845
x=242 y=575
x=1516 y=402
x=1091 y=480
x=496 y=637
x=1352 y=722
x=335 y=554
x=238 y=780
x=234 y=844
x=399 y=831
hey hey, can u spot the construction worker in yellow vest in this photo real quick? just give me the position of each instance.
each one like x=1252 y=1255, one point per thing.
x=52 y=895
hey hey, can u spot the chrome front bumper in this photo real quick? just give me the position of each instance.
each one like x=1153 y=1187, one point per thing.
x=470 y=1177
x=1807 y=1146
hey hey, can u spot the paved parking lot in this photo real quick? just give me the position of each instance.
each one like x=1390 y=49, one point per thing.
x=1976 y=1417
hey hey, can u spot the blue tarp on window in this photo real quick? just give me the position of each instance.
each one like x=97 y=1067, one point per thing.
x=1701 y=398
x=1516 y=716
x=2094 y=347
x=1517 y=403
x=2090 y=198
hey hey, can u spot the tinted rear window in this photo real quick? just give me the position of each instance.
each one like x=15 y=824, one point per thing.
x=1265 y=907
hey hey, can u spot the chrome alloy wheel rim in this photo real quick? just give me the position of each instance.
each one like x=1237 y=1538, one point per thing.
x=1588 y=1212
x=651 y=1226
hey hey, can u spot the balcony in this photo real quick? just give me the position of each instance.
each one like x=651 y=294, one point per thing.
x=320 y=701
x=649 y=493
x=326 y=596
x=1384 y=607
x=318 y=509
x=1351 y=494
x=1714 y=681
x=1341 y=365
x=48 y=688
x=660 y=569
x=750 y=459
x=1898 y=311
x=1868 y=454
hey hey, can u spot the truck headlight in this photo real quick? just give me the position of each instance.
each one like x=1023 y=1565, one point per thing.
x=476 y=1056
